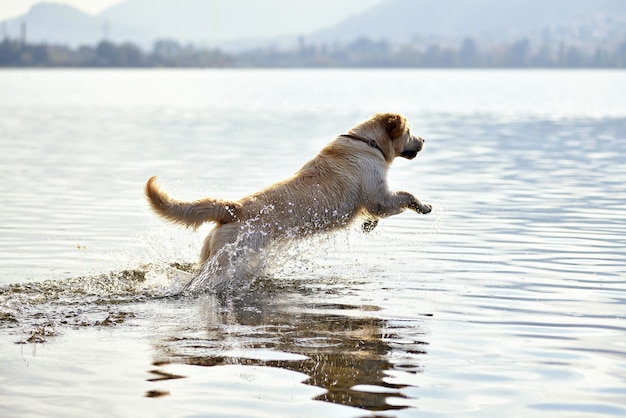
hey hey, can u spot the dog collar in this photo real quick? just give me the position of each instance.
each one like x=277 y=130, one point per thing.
x=371 y=142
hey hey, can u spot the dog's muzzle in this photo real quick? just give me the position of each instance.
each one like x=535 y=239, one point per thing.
x=412 y=151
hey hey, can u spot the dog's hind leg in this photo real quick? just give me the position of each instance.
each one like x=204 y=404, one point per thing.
x=215 y=259
x=219 y=236
x=231 y=256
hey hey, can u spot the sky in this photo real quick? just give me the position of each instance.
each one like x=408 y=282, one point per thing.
x=14 y=8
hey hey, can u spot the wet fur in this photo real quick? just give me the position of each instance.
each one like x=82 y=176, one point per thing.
x=346 y=180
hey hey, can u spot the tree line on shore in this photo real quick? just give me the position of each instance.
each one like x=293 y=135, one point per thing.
x=362 y=53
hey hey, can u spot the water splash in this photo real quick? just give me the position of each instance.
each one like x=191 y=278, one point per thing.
x=39 y=309
x=255 y=255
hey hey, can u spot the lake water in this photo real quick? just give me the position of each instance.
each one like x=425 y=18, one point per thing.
x=509 y=300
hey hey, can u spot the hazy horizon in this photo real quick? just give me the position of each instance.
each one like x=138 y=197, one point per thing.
x=521 y=33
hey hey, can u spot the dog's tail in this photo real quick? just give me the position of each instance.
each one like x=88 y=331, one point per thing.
x=192 y=214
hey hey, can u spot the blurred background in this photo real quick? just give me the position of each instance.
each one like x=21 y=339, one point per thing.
x=314 y=33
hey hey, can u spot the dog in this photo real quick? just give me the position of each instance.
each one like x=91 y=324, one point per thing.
x=347 y=180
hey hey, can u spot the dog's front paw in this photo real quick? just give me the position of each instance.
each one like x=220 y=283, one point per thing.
x=425 y=208
x=420 y=207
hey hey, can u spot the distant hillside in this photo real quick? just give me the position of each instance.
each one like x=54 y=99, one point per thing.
x=198 y=21
x=402 y=20
x=55 y=23
x=219 y=20
x=235 y=25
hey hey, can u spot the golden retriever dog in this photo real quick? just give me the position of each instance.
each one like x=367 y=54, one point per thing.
x=347 y=180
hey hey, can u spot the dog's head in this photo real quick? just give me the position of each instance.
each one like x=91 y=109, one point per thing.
x=392 y=133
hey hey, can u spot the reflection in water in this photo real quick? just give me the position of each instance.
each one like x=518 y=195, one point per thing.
x=522 y=264
x=343 y=349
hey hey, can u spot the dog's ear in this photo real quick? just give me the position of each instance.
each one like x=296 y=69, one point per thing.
x=394 y=125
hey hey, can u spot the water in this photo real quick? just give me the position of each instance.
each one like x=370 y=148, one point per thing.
x=507 y=300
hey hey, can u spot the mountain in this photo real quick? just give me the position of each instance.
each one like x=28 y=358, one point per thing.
x=57 y=23
x=402 y=20
x=219 y=20
x=197 y=21
x=237 y=24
